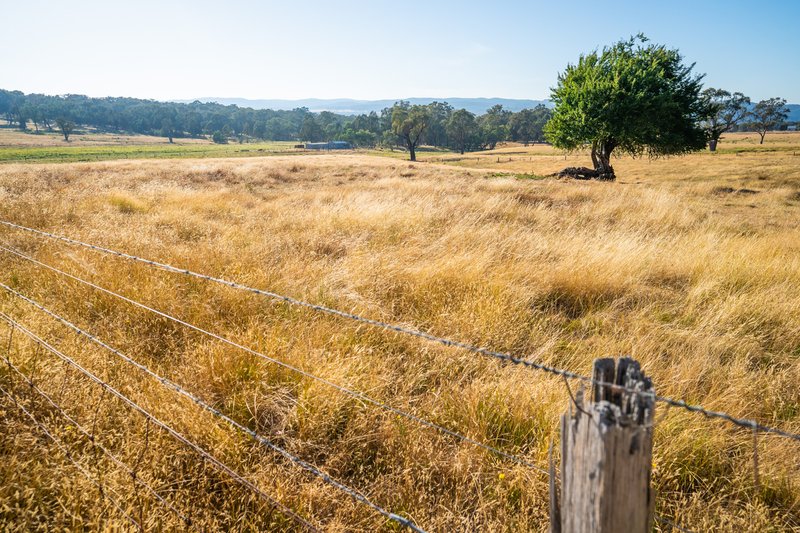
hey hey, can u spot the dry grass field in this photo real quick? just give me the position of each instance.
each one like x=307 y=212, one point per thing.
x=691 y=265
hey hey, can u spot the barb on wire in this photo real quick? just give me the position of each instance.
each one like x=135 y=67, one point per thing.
x=741 y=422
x=350 y=392
x=353 y=493
x=69 y=456
x=156 y=421
x=90 y=435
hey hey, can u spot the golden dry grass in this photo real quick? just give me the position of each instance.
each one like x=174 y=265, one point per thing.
x=691 y=265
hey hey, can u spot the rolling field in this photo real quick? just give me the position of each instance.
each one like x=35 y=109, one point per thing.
x=690 y=265
x=16 y=146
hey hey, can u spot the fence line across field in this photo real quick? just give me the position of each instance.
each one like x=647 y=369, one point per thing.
x=345 y=390
x=68 y=455
x=92 y=438
x=353 y=493
x=164 y=381
x=16 y=326
x=741 y=422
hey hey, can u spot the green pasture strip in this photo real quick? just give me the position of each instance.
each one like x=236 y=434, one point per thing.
x=69 y=154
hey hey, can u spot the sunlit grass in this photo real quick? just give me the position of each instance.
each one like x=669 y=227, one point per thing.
x=673 y=265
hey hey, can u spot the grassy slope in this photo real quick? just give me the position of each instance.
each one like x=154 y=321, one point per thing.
x=676 y=264
x=21 y=147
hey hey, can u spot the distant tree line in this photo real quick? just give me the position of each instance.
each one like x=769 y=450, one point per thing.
x=402 y=125
x=734 y=112
x=168 y=119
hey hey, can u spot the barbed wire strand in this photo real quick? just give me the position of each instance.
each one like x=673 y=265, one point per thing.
x=174 y=433
x=741 y=422
x=345 y=390
x=672 y=524
x=564 y=374
x=358 y=496
x=116 y=460
x=61 y=446
x=100 y=343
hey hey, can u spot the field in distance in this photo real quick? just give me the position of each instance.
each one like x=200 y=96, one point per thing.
x=689 y=264
x=50 y=147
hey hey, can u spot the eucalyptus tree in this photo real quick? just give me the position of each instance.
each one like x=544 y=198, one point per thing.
x=409 y=123
x=494 y=126
x=768 y=115
x=728 y=110
x=461 y=129
x=527 y=125
x=66 y=126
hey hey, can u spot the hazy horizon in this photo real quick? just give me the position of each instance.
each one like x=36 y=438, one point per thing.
x=373 y=50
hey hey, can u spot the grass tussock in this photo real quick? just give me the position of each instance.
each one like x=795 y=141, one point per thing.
x=674 y=265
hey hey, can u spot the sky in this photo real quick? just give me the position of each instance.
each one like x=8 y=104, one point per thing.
x=377 y=49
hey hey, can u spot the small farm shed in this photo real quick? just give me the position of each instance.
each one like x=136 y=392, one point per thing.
x=332 y=145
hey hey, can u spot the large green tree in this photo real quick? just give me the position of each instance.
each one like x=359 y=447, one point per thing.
x=633 y=97
x=768 y=115
x=409 y=123
x=727 y=111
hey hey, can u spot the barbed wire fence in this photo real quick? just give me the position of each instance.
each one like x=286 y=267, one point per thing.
x=126 y=400
x=749 y=424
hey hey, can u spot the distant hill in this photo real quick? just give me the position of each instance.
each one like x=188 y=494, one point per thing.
x=347 y=106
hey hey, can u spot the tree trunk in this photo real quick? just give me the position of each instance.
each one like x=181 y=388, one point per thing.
x=762 y=136
x=595 y=161
x=712 y=145
x=601 y=158
x=412 y=152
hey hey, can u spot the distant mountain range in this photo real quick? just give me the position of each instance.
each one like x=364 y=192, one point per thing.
x=347 y=106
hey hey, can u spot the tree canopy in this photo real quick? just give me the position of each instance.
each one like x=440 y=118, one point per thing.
x=221 y=123
x=633 y=97
x=528 y=125
x=461 y=128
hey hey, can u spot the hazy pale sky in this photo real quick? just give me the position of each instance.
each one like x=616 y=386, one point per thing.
x=377 y=49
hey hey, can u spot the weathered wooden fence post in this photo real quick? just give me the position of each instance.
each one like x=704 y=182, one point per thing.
x=606 y=456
